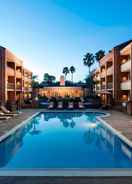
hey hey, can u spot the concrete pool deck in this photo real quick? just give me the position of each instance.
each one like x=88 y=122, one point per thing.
x=121 y=122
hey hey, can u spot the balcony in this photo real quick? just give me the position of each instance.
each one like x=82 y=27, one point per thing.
x=126 y=85
x=18 y=74
x=103 y=75
x=28 y=89
x=110 y=71
x=18 y=87
x=97 y=88
x=10 y=86
x=109 y=85
x=10 y=71
x=98 y=78
x=103 y=87
x=126 y=66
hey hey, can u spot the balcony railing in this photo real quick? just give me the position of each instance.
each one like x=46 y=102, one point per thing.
x=103 y=75
x=18 y=87
x=103 y=87
x=126 y=85
x=96 y=78
x=97 y=88
x=18 y=74
x=126 y=66
x=10 y=86
x=27 y=89
x=110 y=70
x=109 y=85
x=10 y=71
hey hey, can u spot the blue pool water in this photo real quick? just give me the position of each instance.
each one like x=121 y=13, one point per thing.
x=64 y=140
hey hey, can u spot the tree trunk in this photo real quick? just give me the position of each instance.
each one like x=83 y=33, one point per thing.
x=89 y=70
x=72 y=77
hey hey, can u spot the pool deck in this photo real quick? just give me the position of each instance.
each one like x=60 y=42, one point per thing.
x=6 y=125
x=121 y=122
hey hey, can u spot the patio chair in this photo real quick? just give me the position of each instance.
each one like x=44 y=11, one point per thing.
x=80 y=105
x=6 y=111
x=60 y=105
x=7 y=114
x=5 y=117
x=70 y=105
x=51 y=105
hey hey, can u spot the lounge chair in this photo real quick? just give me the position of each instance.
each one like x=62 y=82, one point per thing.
x=4 y=117
x=51 y=105
x=70 y=105
x=80 y=105
x=60 y=105
x=5 y=111
x=7 y=114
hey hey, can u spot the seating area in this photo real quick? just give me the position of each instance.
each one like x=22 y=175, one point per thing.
x=65 y=103
x=70 y=103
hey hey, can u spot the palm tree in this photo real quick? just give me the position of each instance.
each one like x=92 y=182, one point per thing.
x=49 y=79
x=72 y=70
x=65 y=71
x=88 y=60
x=99 y=55
x=35 y=83
x=90 y=83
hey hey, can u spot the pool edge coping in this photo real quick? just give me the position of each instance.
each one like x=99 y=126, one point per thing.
x=115 y=131
x=69 y=172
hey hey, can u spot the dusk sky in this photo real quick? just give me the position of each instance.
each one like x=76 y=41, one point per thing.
x=51 y=34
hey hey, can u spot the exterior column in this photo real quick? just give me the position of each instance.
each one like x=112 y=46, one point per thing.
x=106 y=96
x=15 y=83
x=2 y=76
x=131 y=74
x=116 y=74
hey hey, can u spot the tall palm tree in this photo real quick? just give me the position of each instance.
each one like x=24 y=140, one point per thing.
x=35 y=83
x=99 y=55
x=72 y=70
x=65 y=71
x=88 y=60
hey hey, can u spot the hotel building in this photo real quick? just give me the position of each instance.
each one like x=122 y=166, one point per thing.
x=15 y=80
x=113 y=78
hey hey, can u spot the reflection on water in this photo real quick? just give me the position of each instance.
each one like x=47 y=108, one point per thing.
x=93 y=134
x=11 y=145
x=35 y=130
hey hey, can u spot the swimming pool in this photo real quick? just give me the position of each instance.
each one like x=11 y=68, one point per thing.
x=62 y=140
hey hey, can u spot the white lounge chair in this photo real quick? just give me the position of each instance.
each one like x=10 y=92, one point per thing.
x=51 y=105
x=80 y=105
x=5 y=111
x=4 y=117
x=70 y=105
x=60 y=105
